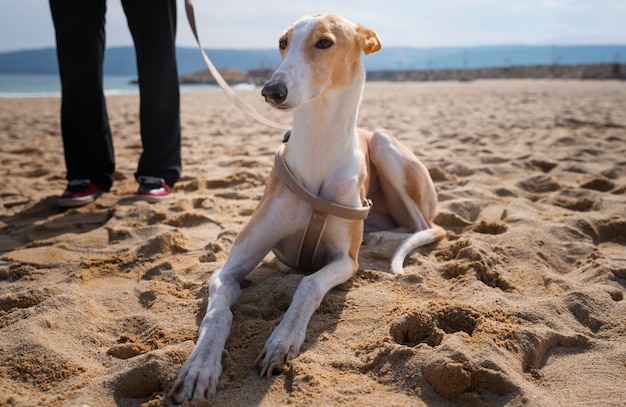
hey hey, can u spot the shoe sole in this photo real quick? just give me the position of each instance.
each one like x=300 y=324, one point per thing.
x=76 y=202
x=152 y=198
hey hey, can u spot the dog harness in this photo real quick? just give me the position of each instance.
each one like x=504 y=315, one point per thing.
x=321 y=208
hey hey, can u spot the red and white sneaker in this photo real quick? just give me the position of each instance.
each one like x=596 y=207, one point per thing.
x=79 y=192
x=153 y=189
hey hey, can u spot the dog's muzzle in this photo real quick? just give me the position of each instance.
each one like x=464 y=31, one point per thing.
x=274 y=93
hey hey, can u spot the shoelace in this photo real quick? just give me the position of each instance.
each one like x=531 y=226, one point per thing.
x=78 y=184
x=144 y=179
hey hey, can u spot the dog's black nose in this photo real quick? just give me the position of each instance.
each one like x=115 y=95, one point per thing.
x=274 y=92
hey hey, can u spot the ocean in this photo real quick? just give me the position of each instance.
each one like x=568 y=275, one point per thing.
x=19 y=85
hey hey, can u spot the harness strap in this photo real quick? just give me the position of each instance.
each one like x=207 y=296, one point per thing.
x=335 y=209
x=321 y=208
x=313 y=235
x=240 y=103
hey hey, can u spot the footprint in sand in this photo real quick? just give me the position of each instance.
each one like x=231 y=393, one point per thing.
x=576 y=200
x=469 y=355
x=163 y=244
x=238 y=181
x=429 y=327
x=490 y=227
x=472 y=256
x=189 y=220
x=597 y=184
x=24 y=299
x=458 y=213
x=144 y=375
x=611 y=229
x=539 y=184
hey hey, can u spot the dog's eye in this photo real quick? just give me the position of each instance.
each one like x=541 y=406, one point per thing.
x=324 y=43
x=282 y=44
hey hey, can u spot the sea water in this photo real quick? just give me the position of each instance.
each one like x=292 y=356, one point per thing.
x=20 y=85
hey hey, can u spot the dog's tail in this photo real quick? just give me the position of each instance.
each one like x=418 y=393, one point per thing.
x=421 y=238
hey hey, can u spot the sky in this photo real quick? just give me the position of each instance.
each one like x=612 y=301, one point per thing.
x=244 y=24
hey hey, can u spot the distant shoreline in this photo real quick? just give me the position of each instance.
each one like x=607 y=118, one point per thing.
x=580 y=71
x=48 y=85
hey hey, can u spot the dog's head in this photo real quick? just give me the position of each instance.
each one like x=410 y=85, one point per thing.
x=319 y=52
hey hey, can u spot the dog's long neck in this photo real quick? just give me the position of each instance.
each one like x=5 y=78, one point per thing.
x=324 y=135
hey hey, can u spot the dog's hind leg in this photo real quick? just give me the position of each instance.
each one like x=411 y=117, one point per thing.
x=409 y=194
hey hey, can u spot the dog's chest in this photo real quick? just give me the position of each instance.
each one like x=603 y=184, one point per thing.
x=329 y=197
x=319 y=234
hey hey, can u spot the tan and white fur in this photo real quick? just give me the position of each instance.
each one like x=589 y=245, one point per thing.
x=320 y=79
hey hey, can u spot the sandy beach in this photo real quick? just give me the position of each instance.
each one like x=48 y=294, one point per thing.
x=522 y=304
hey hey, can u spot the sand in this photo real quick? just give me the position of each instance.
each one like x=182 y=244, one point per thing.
x=522 y=304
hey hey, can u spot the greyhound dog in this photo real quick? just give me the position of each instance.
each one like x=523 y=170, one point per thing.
x=333 y=186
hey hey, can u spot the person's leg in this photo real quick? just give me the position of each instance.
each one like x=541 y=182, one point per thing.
x=153 y=27
x=79 y=29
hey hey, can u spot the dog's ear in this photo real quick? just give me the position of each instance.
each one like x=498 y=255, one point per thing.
x=369 y=40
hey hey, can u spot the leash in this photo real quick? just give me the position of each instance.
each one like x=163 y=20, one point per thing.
x=319 y=215
x=240 y=103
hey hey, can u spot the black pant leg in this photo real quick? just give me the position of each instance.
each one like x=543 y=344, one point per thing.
x=80 y=38
x=152 y=24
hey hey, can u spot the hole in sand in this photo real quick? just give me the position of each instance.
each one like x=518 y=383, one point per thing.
x=490 y=228
x=429 y=328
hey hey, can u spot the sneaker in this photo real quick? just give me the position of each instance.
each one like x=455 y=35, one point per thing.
x=153 y=189
x=79 y=192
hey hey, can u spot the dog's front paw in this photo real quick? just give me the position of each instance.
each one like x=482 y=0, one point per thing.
x=197 y=379
x=277 y=353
